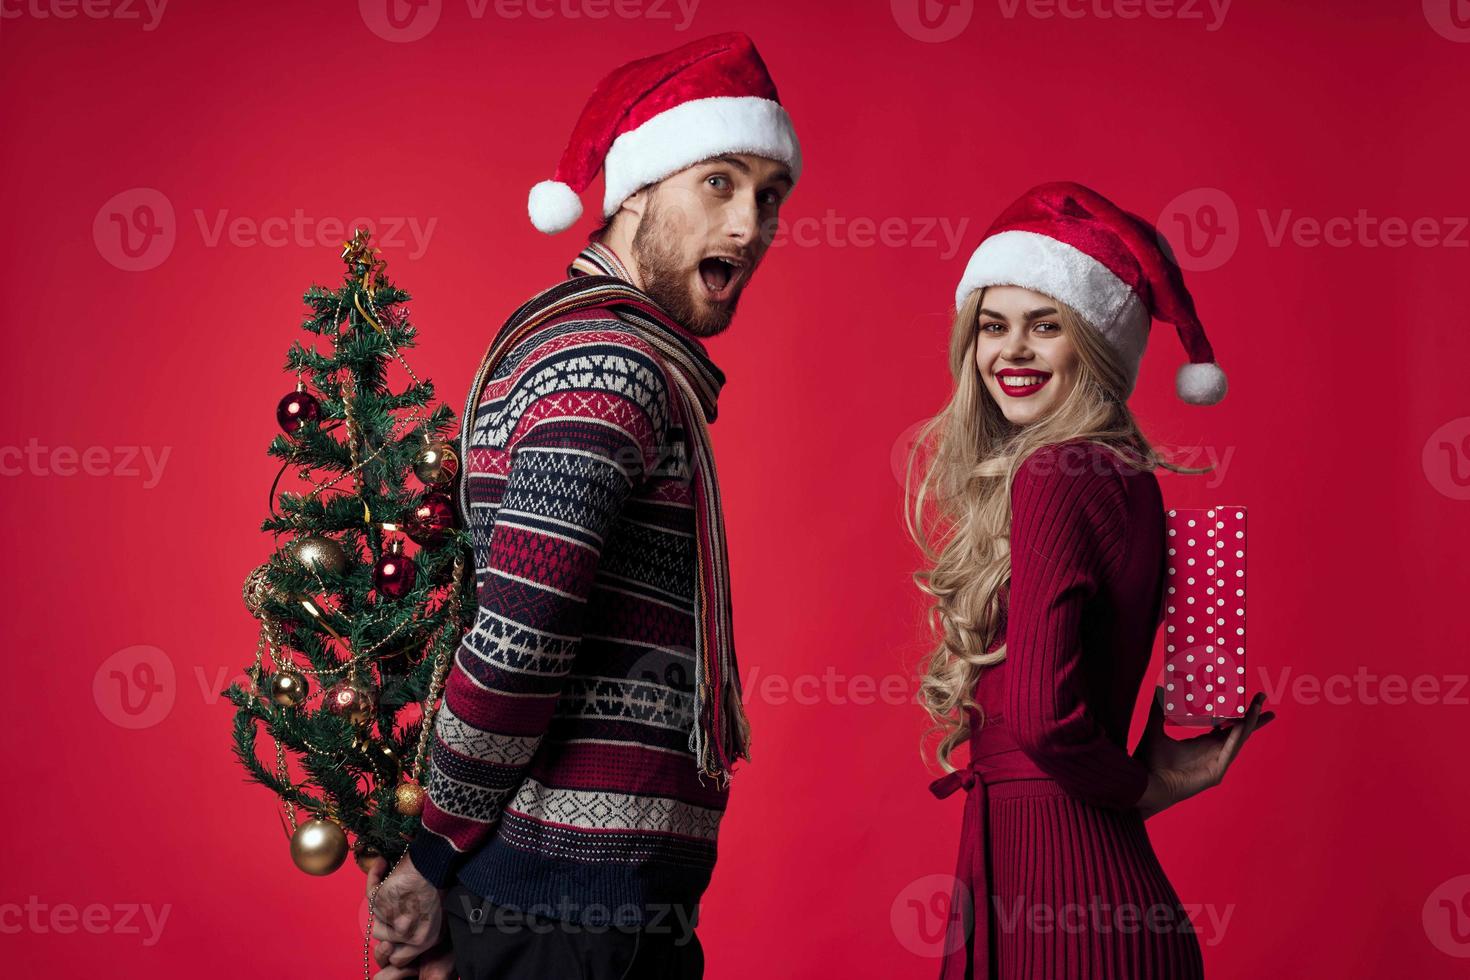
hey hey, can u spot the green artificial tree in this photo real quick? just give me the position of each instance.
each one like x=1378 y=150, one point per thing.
x=364 y=599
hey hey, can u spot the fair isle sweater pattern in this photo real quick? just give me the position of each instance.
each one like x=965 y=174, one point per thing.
x=560 y=778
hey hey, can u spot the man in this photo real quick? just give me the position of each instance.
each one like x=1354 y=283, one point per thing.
x=581 y=757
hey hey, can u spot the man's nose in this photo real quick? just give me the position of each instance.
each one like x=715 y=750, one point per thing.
x=742 y=220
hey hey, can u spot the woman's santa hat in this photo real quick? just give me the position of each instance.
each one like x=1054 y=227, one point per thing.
x=1113 y=267
x=654 y=117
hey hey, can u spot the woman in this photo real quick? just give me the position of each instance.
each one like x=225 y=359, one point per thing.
x=1041 y=520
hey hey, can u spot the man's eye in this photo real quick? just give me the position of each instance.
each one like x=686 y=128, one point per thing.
x=718 y=181
x=771 y=199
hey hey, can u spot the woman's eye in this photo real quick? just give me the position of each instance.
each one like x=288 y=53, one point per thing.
x=992 y=327
x=719 y=182
x=1047 y=327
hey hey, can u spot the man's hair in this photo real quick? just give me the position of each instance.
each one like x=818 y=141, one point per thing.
x=601 y=230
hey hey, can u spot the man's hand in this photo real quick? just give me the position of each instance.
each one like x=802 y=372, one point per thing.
x=1181 y=768
x=408 y=922
x=436 y=964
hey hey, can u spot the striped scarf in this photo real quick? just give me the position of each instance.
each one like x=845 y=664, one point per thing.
x=721 y=732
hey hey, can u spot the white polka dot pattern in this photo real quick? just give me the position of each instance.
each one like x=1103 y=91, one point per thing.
x=1204 y=614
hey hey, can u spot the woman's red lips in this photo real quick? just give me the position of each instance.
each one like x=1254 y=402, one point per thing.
x=1025 y=389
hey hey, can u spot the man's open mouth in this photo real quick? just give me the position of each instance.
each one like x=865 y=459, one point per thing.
x=720 y=276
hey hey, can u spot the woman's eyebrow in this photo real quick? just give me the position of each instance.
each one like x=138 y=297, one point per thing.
x=1028 y=315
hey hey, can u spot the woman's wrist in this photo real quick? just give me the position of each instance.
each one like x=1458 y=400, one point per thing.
x=1155 y=796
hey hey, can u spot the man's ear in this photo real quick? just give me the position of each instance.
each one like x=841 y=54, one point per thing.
x=636 y=203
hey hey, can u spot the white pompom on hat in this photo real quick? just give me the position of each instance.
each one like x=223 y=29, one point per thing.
x=1111 y=266
x=653 y=117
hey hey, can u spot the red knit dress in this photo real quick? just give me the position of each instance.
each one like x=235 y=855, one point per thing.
x=1057 y=876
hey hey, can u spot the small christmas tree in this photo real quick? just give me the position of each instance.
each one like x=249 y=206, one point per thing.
x=356 y=633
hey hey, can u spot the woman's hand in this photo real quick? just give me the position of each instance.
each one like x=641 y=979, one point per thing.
x=1180 y=768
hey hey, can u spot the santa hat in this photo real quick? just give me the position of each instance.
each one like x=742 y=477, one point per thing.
x=1113 y=267
x=654 y=117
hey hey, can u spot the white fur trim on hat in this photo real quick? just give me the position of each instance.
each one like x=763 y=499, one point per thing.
x=553 y=206
x=693 y=131
x=1046 y=265
x=1200 y=384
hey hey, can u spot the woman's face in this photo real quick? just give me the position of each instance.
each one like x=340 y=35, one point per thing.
x=1026 y=359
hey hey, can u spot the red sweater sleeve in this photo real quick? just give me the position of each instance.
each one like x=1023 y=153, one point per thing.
x=1068 y=525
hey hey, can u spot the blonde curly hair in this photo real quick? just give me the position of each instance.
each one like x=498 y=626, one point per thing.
x=958 y=481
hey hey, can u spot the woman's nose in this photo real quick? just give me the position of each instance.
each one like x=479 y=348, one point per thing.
x=1015 y=348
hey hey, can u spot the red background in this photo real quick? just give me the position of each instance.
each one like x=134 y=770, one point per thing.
x=1329 y=839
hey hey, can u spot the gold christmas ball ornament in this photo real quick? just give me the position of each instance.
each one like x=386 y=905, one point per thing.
x=351 y=699
x=319 y=847
x=288 y=688
x=258 y=590
x=437 y=464
x=320 y=553
x=410 y=799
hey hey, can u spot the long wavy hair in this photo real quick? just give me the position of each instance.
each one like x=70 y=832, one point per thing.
x=958 y=485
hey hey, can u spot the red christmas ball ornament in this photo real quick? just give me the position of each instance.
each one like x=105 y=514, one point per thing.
x=298 y=408
x=351 y=699
x=393 y=574
x=431 y=521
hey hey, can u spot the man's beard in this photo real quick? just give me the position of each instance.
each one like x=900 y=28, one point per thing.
x=656 y=250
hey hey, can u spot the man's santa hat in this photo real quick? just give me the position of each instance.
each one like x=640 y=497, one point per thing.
x=654 y=117
x=1113 y=267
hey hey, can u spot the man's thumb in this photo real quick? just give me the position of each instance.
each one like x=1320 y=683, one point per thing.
x=377 y=868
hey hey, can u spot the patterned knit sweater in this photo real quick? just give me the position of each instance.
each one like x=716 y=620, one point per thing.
x=560 y=778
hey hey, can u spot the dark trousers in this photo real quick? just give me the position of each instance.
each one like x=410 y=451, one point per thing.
x=495 y=943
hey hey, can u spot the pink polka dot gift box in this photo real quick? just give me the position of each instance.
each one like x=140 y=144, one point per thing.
x=1204 y=615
